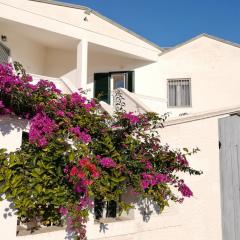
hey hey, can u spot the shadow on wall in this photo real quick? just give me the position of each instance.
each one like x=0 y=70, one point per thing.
x=146 y=208
x=9 y=211
x=9 y=124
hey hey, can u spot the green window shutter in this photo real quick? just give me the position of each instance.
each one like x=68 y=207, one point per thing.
x=102 y=86
x=4 y=53
x=130 y=82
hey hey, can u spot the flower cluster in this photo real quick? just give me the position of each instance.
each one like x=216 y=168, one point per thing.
x=41 y=128
x=107 y=162
x=131 y=117
x=85 y=172
x=153 y=179
x=47 y=87
x=184 y=189
x=78 y=100
x=81 y=135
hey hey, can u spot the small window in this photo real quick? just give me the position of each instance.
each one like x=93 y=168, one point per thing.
x=179 y=92
x=103 y=210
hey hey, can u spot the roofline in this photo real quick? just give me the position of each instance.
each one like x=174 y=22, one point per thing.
x=197 y=37
x=76 y=6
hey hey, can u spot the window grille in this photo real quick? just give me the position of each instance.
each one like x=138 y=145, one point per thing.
x=179 y=92
x=4 y=53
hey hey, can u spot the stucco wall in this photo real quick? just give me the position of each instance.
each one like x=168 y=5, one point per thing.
x=38 y=58
x=30 y=53
x=60 y=63
x=213 y=67
x=200 y=216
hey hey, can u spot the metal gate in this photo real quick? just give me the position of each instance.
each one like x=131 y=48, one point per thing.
x=4 y=53
x=229 y=144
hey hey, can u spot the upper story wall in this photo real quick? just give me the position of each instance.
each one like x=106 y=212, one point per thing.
x=70 y=21
x=212 y=66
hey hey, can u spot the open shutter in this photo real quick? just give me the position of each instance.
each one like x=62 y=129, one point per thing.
x=102 y=86
x=130 y=82
x=4 y=53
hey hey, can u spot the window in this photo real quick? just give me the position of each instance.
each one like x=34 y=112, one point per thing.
x=119 y=80
x=103 y=210
x=105 y=83
x=179 y=92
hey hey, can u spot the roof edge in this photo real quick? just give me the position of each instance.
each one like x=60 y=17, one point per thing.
x=197 y=37
x=76 y=6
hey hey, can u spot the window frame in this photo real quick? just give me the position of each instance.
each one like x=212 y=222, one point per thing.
x=190 y=92
x=129 y=83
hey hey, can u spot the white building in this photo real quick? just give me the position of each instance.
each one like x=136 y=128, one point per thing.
x=76 y=47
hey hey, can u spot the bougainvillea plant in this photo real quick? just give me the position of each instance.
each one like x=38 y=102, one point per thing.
x=76 y=153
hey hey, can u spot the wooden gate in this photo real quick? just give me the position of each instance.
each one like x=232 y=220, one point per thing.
x=229 y=144
x=4 y=53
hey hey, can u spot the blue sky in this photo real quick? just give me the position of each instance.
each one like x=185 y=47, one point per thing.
x=169 y=22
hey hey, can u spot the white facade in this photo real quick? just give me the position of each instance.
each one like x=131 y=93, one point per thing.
x=68 y=44
x=211 y=64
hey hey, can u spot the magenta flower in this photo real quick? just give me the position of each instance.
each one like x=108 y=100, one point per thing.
x=131 y=117
x=1 y=105
x=41 y=127
x=50 y=86
x=148 y=165
x=182 y=159
x=83 y=136
x=108 y=162
x=77 y=99
x=185 y=190
x=63 y=211
x=60 y=113
x=152 y=179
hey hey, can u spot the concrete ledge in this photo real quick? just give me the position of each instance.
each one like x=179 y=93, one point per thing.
x=203 y=115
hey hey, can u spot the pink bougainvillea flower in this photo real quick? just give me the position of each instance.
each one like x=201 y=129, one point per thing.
x=107 y=162
x=1 y=104
x=66 y=169
x=182 y=159
x=81 y=135
x=84 y=137
x=131 y=117
x=63 y=211
x=148 y=165
x=185 y=190
x=41 y=128
x=77 y=99
x=152 y=179
x=50 y=86
x=60 y=113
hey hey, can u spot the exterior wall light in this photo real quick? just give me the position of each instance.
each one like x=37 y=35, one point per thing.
x=4 y=38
